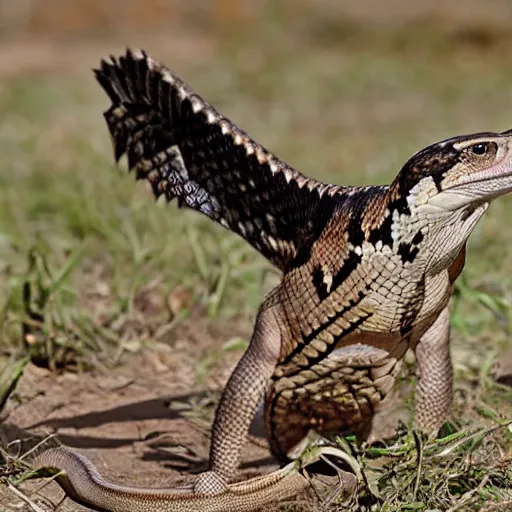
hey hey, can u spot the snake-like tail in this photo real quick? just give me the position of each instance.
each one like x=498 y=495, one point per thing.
x=82 y=482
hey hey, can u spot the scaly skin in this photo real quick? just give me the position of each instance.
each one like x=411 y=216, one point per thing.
x=367 y=271
x=83 y=483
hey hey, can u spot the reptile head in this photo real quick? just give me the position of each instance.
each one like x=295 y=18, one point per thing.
x=458 y=173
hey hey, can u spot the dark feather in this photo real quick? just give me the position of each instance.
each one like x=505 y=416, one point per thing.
x=188 y=151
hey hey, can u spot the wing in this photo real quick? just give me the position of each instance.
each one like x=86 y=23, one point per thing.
x=188 y=151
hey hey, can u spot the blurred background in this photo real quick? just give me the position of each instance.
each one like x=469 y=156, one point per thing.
x=94 y=275
x=86 y=18
x=345 y=91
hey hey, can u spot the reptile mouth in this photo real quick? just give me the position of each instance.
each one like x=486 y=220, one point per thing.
x=488 y=193
x=483 y=179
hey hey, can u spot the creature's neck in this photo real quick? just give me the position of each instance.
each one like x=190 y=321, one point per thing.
x=425 y=234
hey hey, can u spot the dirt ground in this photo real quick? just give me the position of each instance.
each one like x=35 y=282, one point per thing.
x=124 y=421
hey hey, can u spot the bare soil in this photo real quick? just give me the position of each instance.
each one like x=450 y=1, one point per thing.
x=124 y=418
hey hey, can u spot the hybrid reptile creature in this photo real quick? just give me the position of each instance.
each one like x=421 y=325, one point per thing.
x=367 y=272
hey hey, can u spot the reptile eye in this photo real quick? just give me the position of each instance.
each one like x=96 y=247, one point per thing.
x=479 y=149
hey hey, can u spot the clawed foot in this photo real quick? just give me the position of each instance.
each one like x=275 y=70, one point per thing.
x=210 y=483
